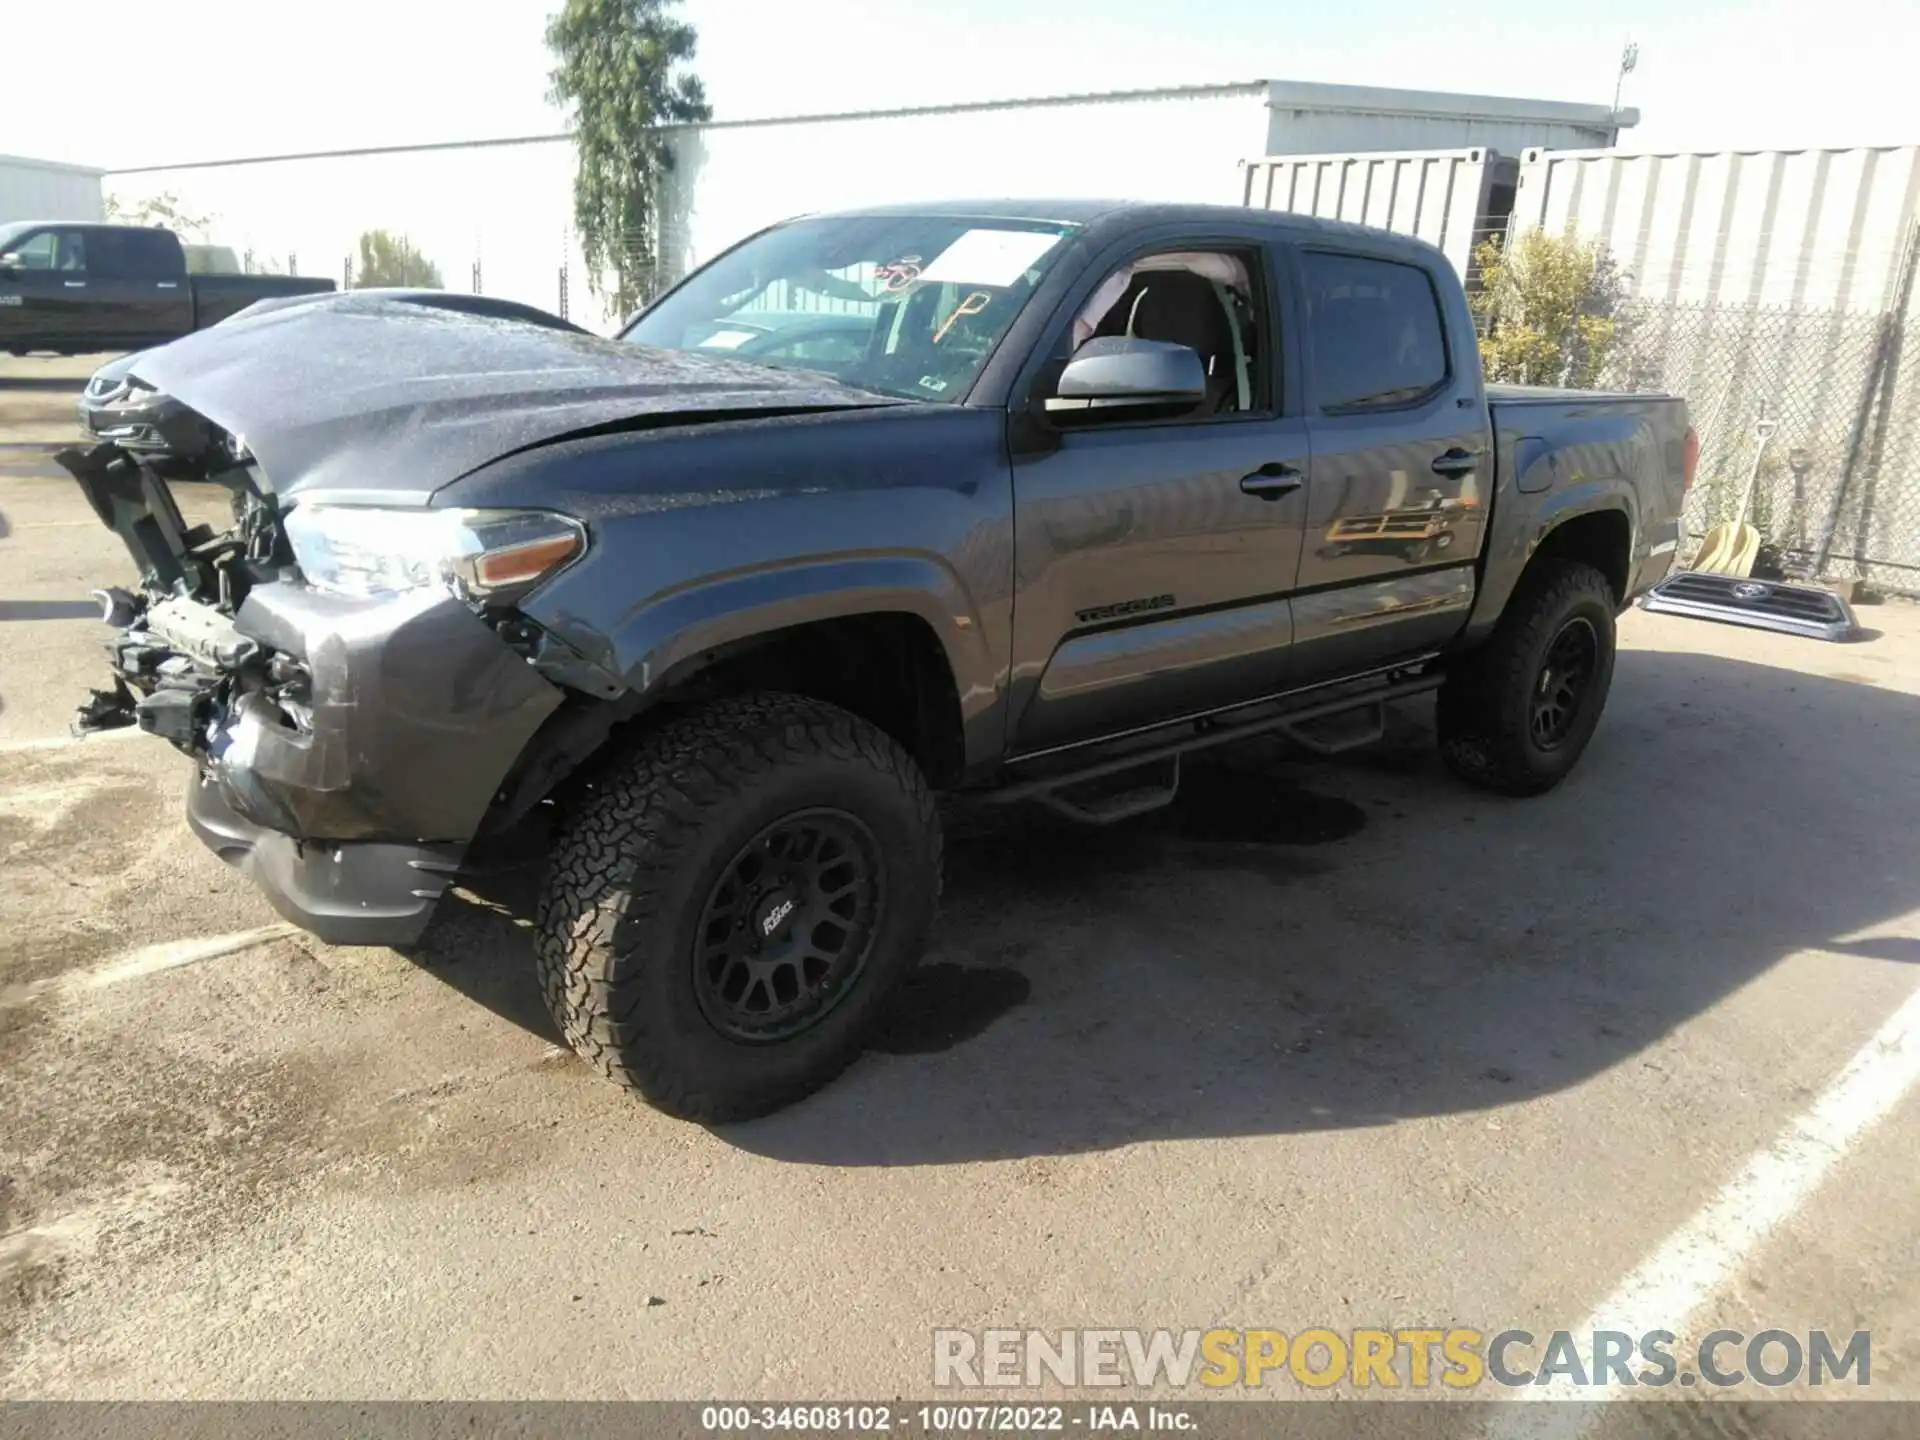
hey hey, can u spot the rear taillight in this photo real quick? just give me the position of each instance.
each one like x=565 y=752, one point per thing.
x=1689 y=458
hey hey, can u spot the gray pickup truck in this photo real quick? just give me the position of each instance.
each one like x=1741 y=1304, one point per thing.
x=1015 y=499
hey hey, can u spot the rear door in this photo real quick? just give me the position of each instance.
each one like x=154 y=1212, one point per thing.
x=138 y=281
x=1402 y=459
x=47 y=293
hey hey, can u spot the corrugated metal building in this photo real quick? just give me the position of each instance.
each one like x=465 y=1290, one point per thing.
x=45 y=190
x=504 y=206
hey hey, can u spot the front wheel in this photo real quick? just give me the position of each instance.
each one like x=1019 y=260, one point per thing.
x=1516 y=716
x=730 y=907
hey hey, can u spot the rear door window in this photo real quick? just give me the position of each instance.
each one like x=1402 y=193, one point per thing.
x=148 y=255
x=108 y=254
x=1378 y=339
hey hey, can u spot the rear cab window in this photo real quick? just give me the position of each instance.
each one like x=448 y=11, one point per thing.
x=1379 y=342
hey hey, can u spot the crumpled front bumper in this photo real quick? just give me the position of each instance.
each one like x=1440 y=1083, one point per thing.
x=350 y=797
x=347 y=892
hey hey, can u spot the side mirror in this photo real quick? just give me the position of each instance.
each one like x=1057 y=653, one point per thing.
x=10 y=264
x=1114 y=370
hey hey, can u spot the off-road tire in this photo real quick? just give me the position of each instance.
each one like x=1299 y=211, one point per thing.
x=633 y=867
x=1485 y=710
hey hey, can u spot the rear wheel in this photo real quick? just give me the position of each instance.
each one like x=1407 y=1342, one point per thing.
x=1516 y=716
x=728 y=911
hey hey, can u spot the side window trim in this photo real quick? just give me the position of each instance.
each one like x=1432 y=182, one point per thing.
x=77 y=241
x=1448 y=378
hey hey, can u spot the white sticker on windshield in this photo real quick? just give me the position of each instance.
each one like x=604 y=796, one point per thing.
x=989 y=257
x=726 y=339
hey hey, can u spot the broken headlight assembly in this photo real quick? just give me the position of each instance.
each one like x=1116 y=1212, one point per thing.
x=486 y=556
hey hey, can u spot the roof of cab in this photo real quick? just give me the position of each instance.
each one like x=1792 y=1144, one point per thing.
x=1143 y=212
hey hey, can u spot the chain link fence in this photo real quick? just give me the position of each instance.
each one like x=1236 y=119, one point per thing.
x=1811 y=416
x=652 y=264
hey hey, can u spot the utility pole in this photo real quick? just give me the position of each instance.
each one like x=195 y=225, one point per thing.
x=1629 y=58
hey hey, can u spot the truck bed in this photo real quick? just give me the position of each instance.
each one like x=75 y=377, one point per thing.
x=215 y=297
x=1571 y=451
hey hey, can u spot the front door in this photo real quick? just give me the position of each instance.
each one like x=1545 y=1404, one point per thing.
x=1154 y=555
x=48 y=288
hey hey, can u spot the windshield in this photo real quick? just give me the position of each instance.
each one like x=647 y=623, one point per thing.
x=11 y=233
x=903 y=304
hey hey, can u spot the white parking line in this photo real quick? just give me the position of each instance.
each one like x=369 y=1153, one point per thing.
x=1697 y=1258
x=148 y=960
x=61 y=742
x=172 y=954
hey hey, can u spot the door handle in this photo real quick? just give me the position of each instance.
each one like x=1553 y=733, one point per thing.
x=1457 y=461
x=166 y=285
x=74 y=284
x=1272 y=480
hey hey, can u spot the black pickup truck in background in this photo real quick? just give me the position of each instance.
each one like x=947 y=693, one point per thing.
x=71 y=288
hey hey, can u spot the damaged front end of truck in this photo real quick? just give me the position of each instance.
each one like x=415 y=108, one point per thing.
x=349 y=738
x=351 y=657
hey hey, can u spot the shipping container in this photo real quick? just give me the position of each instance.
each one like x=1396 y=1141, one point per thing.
x=44 y=190
x=1807 y=229
x=1452 y=199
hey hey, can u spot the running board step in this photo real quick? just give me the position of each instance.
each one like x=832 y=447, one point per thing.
x=1341 y=731
x=1763 y=604
x=1122 y=796
x=1145 y=779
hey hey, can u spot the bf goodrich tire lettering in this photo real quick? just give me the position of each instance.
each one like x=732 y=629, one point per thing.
x=636 y=863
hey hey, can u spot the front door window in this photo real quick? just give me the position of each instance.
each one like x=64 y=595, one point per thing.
x=53 y=250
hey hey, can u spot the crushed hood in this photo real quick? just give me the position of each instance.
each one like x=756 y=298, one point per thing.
x=365 y=391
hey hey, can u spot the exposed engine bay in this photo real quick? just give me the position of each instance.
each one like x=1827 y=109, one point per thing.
x=283 y=690
x=178 y=649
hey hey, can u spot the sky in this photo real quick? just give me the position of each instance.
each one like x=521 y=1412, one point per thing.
x=293 y=76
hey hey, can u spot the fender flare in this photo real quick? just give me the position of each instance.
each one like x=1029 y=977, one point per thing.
x=1517 y=536
x=674 y=635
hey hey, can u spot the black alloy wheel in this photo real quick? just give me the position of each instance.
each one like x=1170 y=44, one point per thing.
x=789 y=925
x=1565 y=680
x=1516 y=713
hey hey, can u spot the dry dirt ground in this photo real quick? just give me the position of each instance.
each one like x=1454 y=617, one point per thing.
x=1328 y=1043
